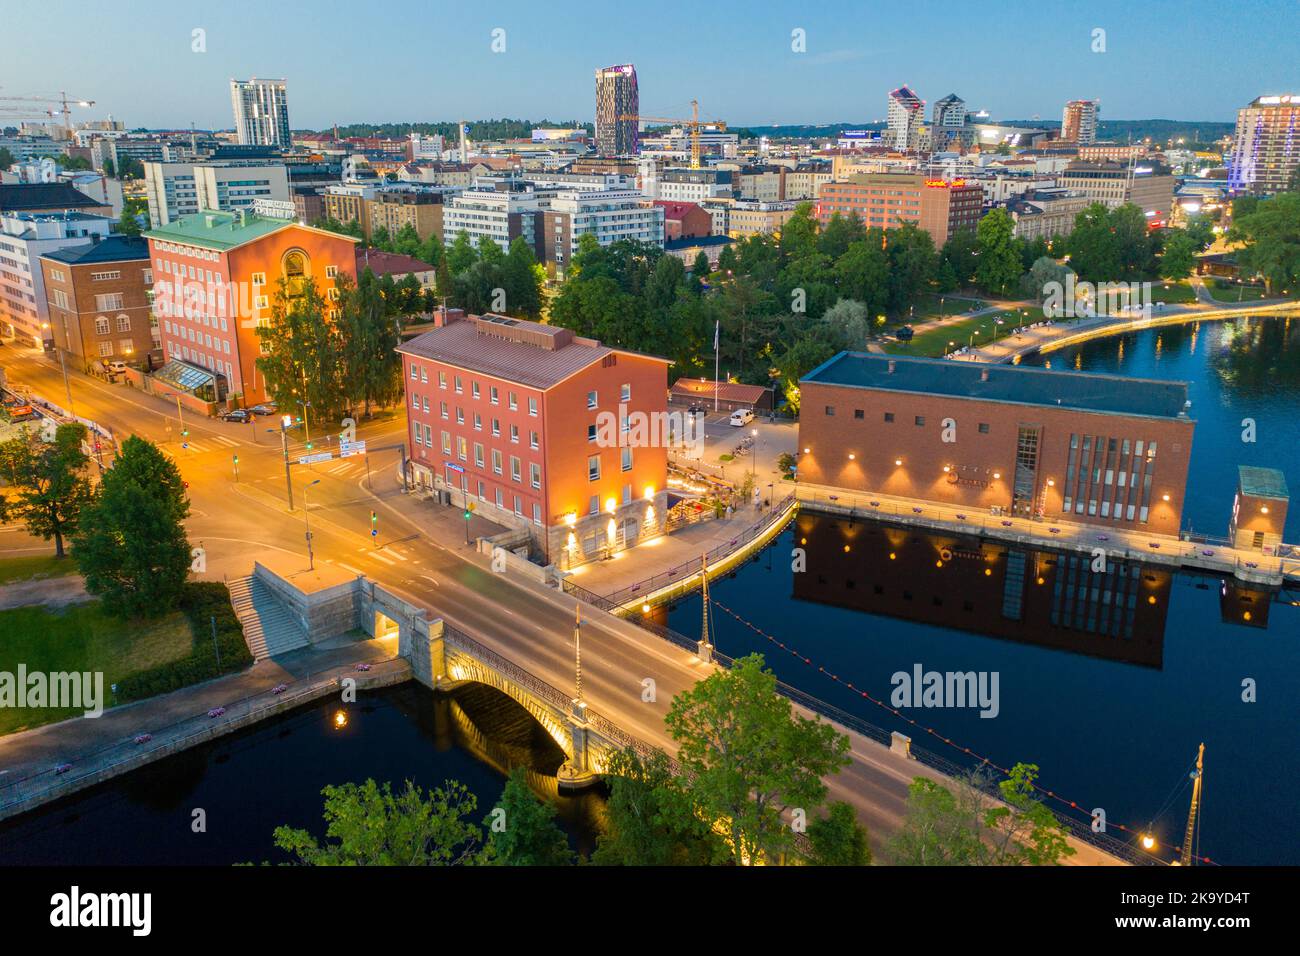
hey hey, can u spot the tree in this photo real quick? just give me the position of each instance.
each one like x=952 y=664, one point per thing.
x=51 y=489
x=526 y=834
x=837 y=839
x=1043 y=272
x=304 y=363
x=700 y=267
x=73 y=163
x=7 y=158
x=999 y=255
x=1023 y=831
x=863 y=274
x=461 y=255
x=130 y=544
x=370 y=826
x=1271 y=231
x=650 y=818
x=1179 y=256
x=522 y=278
x=959 y=253
x=941 y=828
x=748 y=757
x=369 y=337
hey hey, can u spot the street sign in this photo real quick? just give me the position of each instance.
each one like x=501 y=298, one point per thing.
x=319 y=456
x=348 y=448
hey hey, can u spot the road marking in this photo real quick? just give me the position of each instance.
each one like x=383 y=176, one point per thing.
x=432 y=580
x=228 y=442
x=380 y=557
x=389 y=551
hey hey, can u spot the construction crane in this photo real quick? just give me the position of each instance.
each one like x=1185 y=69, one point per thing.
x=62 y=101
x=693 y=124
x=1187 y=857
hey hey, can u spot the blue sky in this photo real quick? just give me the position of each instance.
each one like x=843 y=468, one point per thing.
x=406 y=60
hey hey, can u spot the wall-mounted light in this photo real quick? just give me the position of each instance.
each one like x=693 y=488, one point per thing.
x=1165 y=497
x=611 y=505
x=1051 y=483
x=898 y=462
x=947 y=468
x=997 y=475
x=851 y=456
x=807 y=451
x=1263 y=509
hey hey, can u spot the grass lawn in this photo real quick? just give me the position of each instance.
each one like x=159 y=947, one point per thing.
x=81 y=637
x=933 y=343
x=1172 y=293
x=34 y=569
x=937 y=306
x=1225 y=290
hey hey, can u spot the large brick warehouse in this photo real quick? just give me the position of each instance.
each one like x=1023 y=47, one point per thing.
x=1069 y=446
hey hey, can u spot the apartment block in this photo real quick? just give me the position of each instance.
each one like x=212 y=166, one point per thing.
x=884 y=200
x=24 y=238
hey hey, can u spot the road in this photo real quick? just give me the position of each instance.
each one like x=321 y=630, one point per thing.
x=417 y=555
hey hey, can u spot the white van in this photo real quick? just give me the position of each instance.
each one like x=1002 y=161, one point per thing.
x=742 y=417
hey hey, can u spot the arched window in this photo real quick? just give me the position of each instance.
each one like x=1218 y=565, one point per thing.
x=297 y=269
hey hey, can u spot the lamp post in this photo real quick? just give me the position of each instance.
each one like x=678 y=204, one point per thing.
x=311 y=558
x=753 y=454
x=284 y=447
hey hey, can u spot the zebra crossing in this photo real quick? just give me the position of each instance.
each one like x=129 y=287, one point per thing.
x=208 y=443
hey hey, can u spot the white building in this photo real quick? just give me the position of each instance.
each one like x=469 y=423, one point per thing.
x=499 y=215
x=24 y=238
x=426 y=147
x=694 y=185
x=182 y=189
x=609 y=215
x=906 y=114
x=261 y=112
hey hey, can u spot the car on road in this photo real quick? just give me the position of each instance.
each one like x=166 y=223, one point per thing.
x=697 y=410
x=265 y=409
x=236 y=415
x=741 y=417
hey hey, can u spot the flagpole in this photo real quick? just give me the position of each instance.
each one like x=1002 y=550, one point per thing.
x=717 y=325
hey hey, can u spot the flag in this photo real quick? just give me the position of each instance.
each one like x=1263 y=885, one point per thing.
x=716 y=325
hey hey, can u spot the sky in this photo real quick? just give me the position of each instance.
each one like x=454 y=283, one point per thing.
x=409 y=61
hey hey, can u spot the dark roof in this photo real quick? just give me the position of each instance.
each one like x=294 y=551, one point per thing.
x=112 y=249
x=1015 y=384
x=697 y=242
x=389 y=263
x=20 y=197
x=1262 y=482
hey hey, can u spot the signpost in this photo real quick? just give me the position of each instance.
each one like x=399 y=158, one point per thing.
x=318 y=456
x=349 y=448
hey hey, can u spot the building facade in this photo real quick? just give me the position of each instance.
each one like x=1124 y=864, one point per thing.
x=24 y=238
x=1266 y=147
x=616 y=99
x=100 y=301
x=609 y=215
x=261 y=109
x=1054 y=446
x=216 y=275
x=1079 y=121
x=905 y=115
x=182 y=189
x=885 y=200
x=1149 y=186
x=513 y=416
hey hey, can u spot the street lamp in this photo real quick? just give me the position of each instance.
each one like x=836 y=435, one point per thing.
x=753 y=454
x=311 y=558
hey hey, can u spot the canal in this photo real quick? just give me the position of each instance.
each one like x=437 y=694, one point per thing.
x=1107 y=681
x=252 y=781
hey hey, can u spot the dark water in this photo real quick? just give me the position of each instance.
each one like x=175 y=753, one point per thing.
x=1244 y=369
x=1108 y=685
x=272 y=774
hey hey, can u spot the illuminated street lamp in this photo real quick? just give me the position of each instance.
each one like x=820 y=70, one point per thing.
x=311 y=558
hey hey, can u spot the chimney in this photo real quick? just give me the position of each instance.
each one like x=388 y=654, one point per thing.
x=984 y=375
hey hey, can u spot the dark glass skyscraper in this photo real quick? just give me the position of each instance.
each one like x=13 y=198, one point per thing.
x=616 y=97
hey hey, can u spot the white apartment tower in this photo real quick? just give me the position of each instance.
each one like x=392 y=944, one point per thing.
x=1079 y=121
x=906 y=114
x=261 y=112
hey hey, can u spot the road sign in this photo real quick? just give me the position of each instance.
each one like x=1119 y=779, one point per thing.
x=319 y=456
x=348 y=448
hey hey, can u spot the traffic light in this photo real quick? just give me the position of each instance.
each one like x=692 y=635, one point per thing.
x=469 y=510
x=309 y=446
x=374 y=519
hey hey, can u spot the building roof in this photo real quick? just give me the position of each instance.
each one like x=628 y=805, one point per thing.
x=1013 y=384
x=515 y=350
x=727 y=391
x=112 y=249
x=674 y=209
x=22 y=197
x=389 y=263
x=697 y=242
x=1262 y=482
x=223 y=231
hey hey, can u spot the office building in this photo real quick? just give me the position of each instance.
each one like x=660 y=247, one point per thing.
x=1045 y=213
x=508 y=415
x=1266 y=147
x=261 y=111
x=617 y=106
x=1148 y=185
x=183 y=189
x=884 y=200
x=904 y=117
x=99 y=297
x=24 y=238
x=1087 y=448
x=1079 y=121
x=498 y=214
x=608 y=215
x=695 y=185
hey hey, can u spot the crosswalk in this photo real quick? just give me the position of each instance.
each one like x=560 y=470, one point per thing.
x=208 y=443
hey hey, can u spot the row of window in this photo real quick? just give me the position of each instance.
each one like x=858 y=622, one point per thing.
x=917 y=420
x=421 y=374
x=1109 y=477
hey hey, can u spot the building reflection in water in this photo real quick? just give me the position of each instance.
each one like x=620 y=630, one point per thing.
x=1051 y=599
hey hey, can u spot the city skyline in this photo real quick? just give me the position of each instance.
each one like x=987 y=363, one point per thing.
x=743 y=70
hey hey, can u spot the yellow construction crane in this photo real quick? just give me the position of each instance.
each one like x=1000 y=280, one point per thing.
x=693 y=124
x=62 y=101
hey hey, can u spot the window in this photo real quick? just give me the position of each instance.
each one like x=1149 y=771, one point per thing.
x=101 y=326
x=625 y=392
x=920 y=420
x=496 y=461
x=60 y=298
x=627 y=458
x=478 y=422
x=125 y=346
x=514 y=468
x=535 y=475
x=858 y=414
x=494 y=396
x=105 y=276
x=109 y=302
x=259 y=278
x=446 y=443
x=442 y=379
x=593 y=505
x=105 y=348
x=424 y=375
x=830 y=409
x=474 y=389
x=537 y=513
x=889 y=416
x=532 y=440
x=415 y=373
x=124 y=323
x=593 y=468
x=460 y=388
x=442 y=409
x=261 y=302
x=461 y=448
x=460 y=415
x=331 y=272
x=591 y=433
x=984 y=428
x=514 y=434
x=496 y=427
x=532 y=407
x=478 y=454
x=514 y=400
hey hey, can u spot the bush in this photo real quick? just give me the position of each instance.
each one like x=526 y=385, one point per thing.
x=200 y=602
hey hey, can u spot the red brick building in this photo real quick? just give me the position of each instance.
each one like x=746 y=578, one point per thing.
x=216 y=275
x=1095 y=449
x=885 y=200
x=685 y=220
x=508 y=414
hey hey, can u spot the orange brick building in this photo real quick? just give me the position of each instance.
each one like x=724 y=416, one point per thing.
x=885 y=200
x=216 y=275
x=509 y=416
x=1089 y=448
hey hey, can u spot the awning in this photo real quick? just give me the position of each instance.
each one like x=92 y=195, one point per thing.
x=186 y=377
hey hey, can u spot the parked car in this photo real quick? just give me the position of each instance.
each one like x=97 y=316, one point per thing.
x=115 y=367
x=697 y=410
x=741 y=417
x=264 y=409
x=236 y=415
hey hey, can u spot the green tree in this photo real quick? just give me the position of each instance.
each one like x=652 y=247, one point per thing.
x=959 y=253
x=1179 y=256
x=941 y=828
x=999 y=254
x=837 y=839
x=367 y=825
x=369 y=337
x=522 y=278
x=461 y=255
x=1271 y=233
x=7 y=158
x=130 y=544
x=748 y=757
x=1044 y=270
x=650 y=818
x=72 y=163
x=863 y=273
x=48 y=477
x=522 y=830
x=700 y=267
x=304 y=363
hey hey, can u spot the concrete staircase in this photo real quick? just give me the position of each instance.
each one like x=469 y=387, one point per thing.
x=269 y=630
